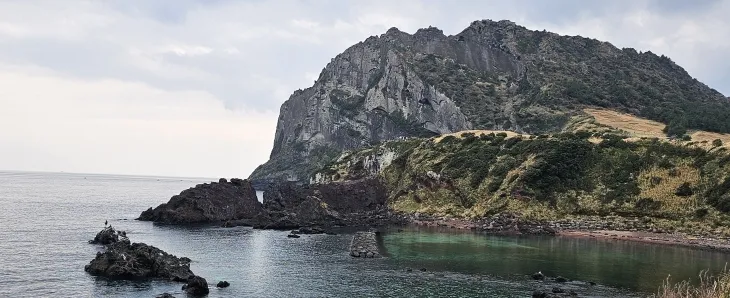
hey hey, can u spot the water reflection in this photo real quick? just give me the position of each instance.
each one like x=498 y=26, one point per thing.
x=623 y=264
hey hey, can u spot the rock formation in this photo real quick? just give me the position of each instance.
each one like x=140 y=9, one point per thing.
x=208 y=203
x=125 y=260
x=492 y=75
x=108 y=236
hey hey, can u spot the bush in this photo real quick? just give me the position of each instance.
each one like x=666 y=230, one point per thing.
x=717 y=143
x=684 y=190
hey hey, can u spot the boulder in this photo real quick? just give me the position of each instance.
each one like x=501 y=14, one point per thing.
x=561 y=279
x=293 y=236
x=131 y=261
x=223 y=284
x=538 y=276
x=165 y=295
x=197 y=286
x=208 y=203
x=107 y=236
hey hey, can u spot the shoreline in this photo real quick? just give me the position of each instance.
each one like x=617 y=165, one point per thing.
x=636 y=235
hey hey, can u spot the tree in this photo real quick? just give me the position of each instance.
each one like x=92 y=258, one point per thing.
x=676 y=128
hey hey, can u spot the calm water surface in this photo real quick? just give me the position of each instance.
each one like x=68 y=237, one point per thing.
x=47 y=219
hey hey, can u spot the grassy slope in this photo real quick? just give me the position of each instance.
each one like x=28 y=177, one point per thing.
x=604 y=168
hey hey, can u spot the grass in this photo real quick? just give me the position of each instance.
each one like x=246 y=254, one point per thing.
x=709 y=287
x=644 y=128
x=638 y=127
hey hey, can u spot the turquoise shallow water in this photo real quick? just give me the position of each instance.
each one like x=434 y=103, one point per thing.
x=47 y=219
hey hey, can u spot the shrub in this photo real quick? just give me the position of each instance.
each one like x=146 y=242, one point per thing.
x=684 y=190
x=717 y=143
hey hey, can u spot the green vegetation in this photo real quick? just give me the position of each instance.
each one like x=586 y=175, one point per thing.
x=677 y=186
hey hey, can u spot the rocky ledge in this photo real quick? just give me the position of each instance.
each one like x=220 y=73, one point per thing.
x=125 y=260
x=213 y=202
x=365 y=245
x=122 y=259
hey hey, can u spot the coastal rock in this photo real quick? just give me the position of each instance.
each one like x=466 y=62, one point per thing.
x=165 y=295
x=223 y=284
x=197 y=286
x=107 y=236
x=130 y=261
x=343 y=197
x=538 y=276
x=293 y=236
x=364 y=245
x=208 y=203
x=561 y=279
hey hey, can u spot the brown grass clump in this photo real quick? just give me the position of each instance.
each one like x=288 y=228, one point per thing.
x=704 y=136
x=709 y=287
x=660 y=185
x=635 y=126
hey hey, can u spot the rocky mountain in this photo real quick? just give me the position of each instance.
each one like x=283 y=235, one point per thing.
x=492 y=75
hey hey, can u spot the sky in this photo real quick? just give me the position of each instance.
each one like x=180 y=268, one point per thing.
x=193 y=88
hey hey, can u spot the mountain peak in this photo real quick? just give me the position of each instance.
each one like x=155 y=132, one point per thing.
x=494 y=75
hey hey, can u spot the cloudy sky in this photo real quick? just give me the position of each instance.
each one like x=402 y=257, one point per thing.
x=193 y=87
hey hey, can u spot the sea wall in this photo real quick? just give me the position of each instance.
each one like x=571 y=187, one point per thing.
x=365 y=245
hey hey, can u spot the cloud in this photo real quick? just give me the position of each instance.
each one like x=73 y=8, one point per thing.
x=110 y=126
x=178 y=86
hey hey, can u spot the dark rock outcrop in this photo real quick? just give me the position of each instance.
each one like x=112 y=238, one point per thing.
x=196 y=286
x=208 y=203
x=223 y=284
x=165 y=295
x=131 y=261
x=108 y=236
x=352 y=203
x=343 y=197
x=293 y=236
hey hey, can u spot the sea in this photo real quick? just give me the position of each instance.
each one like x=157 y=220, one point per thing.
x=46 y=220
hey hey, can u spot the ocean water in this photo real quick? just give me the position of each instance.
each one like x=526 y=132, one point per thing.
x=46 y=220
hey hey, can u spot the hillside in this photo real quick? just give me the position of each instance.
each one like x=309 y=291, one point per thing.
x=490 y=76
x=677 y=185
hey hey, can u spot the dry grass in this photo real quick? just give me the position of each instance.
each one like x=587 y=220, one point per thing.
x=709 y=287
x=704 y=136
x=631 y=124
x=663 y=191
x=640 y=127
x=459 y=134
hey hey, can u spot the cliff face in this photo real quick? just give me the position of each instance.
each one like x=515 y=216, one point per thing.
x=492 y=75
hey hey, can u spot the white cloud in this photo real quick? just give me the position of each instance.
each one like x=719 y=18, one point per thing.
x=192 y=87
x=119 y=127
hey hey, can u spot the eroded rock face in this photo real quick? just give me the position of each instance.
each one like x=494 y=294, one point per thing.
x=131 y=261
x=293 y=206
x=208 y=203
x=343 y=197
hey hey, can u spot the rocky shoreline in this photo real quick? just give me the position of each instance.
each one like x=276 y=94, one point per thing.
x=362 y=204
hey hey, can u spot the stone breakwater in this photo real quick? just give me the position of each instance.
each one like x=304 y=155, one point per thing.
x=365 y=245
